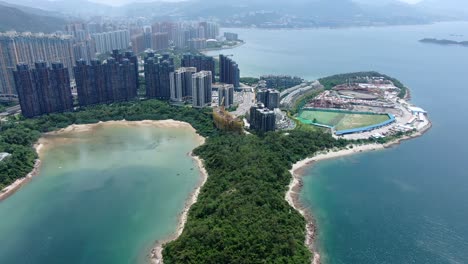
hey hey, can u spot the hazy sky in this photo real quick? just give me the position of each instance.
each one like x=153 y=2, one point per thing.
x=122 y=2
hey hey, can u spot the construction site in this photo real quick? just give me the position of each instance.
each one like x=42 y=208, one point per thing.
x=225 y=121
x=365 y=108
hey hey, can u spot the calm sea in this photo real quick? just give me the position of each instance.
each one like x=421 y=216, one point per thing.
x=102 y=196
x=408 y=204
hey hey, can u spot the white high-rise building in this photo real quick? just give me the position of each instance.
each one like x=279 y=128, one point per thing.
x=226 y=93
x=201 y=89
x=112 y=40
x=181 y=83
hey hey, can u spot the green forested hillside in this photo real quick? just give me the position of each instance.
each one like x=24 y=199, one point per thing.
x=15 y=19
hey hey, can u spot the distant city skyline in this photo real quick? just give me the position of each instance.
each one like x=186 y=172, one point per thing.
x=124 y=2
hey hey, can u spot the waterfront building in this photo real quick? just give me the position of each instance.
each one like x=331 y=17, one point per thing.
x=211 y=30
x=28 y=94
x=129 y=55
x=262 y=119
x=90 y=82
x=229 y=71
x=181 y=83
x=112 y=40
x=184 y=34
x=28 y=48
x=226 y=93
x=201 y=89
x=44 y=89
x=269 y=97
x=197 y=44
x=231 y=36
x=120 y=79
x=201 y=62
x=157 y=76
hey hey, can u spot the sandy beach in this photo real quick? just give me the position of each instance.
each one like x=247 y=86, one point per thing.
x=292 y=196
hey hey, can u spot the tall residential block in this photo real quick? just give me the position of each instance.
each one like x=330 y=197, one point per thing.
x=84 y=50
x=120 y=79
x=160 y=41
x=201 y=62
x=129 y=55
x=269 y=97
x=197 y=44
x=28 y=95
x=226 y=95
x=90 y=82
x=28 y=48
x=112 y=40
x=180 y=33
x=229 y=71
x=262 y=119
x=181 y=83
x=114 y=81
x=202 y=90
x=231 y=36
x=157 y=76
x=44 y=89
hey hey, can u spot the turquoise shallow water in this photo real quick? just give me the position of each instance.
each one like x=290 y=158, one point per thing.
x=408 y=204
x=102 y=196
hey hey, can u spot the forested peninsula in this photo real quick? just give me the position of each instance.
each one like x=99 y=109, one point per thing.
x=241 y=215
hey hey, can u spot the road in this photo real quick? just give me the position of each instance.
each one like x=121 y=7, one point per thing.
x=11 y=110
x=245 y=99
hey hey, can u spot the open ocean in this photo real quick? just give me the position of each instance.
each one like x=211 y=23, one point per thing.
x=407 y=204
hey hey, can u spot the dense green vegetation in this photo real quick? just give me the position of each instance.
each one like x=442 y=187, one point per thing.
x=13 y=18
x=301 y=102
x=18 y=136
x=332 y=81
x=241 y=215
x=250 y=81
x=281 y=82
x=5 y=105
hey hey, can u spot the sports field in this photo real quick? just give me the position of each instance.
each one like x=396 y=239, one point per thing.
x=341 y=120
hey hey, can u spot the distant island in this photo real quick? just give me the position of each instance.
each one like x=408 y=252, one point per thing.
x=444 y=41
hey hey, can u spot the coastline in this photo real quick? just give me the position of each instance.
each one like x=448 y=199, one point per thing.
x=156 y=256
x=41 y=144
x=17 y=184
x=223 y=48
x=297 y=172
x=156 y=252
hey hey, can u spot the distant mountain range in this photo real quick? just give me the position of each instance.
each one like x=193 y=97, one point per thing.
x=258 y=13
x=444 y=42
x=20 y=18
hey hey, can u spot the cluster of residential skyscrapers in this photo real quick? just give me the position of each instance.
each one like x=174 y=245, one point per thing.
x=43 y=89
x=85 y=41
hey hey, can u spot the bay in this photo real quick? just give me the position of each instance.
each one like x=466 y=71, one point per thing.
x=103 y=195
